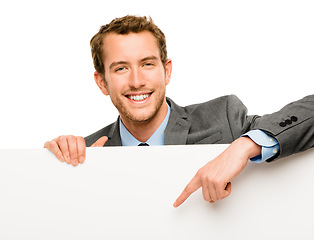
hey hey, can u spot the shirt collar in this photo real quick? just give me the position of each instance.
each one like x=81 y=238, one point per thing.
x=158 y=138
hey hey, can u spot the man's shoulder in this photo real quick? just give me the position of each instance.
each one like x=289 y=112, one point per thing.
x=206 y=122
x=214 y=104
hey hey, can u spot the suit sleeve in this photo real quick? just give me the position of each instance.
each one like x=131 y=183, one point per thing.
x=292 y=126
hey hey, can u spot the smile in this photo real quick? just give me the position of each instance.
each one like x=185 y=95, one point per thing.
x=140 y=97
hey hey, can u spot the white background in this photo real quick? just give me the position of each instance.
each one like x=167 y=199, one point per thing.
x=262 y=51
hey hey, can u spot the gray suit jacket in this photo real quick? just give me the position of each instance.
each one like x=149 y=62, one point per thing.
x=225 y=119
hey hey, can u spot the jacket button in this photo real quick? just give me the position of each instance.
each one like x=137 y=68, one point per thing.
x=288 y=121
x=282 y=124
x=294 y=119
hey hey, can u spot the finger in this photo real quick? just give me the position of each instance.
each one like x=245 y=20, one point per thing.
x=212 y=192
x=54 y=148
x=81 y=148
x=63 y=145
x=208 y=188
x=72 y=145
x=205 y=190
x=100 y=142
x=192 y=186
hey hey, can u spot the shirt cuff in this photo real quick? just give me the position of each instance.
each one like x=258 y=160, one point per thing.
x=269 y=144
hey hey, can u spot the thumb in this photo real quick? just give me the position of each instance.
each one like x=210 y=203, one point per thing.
x=100 y=142
x=227 y=191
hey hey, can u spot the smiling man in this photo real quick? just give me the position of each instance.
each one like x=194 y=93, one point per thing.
x=135 y=78
x=130 y=59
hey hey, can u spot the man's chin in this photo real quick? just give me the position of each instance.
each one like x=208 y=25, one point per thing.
x=140 y=119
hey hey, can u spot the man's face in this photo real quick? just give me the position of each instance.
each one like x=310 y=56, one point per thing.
x=135 y=77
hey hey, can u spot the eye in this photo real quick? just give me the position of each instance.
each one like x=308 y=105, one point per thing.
x=120 y=69
x=148 y=64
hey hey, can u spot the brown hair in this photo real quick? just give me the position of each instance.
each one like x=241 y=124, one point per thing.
x=125 y=25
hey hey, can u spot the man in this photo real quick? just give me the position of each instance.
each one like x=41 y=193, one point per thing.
x=132 y=67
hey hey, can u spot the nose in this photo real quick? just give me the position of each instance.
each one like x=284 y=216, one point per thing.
x=136 y=79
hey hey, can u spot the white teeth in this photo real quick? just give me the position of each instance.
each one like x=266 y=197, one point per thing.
x=138 y=97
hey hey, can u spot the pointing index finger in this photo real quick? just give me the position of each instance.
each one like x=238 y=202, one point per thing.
x=192 y=186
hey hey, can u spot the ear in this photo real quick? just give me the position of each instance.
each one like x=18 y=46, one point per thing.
x=168 y=71
x=101 y=83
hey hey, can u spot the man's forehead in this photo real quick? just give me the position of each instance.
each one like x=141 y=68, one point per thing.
x=135 y=45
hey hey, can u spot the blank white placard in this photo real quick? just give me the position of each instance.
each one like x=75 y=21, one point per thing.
x=128 y=192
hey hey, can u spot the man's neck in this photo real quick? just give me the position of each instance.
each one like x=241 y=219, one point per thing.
x=142 y=131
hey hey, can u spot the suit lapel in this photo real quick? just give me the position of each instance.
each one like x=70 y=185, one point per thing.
x=114 y=138
x=178 y=126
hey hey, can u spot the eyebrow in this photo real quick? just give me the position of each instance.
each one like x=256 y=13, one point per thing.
x=112 y=65
x=152 y=57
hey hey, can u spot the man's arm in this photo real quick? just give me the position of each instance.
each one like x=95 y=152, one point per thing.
x=292 y=126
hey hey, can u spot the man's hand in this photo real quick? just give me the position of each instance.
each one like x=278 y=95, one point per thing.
x=71 y=149
x=215 y=177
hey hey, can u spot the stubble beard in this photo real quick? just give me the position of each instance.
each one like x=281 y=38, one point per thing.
x=123 y=111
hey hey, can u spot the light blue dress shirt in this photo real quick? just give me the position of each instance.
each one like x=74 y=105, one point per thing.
x=270 y=145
